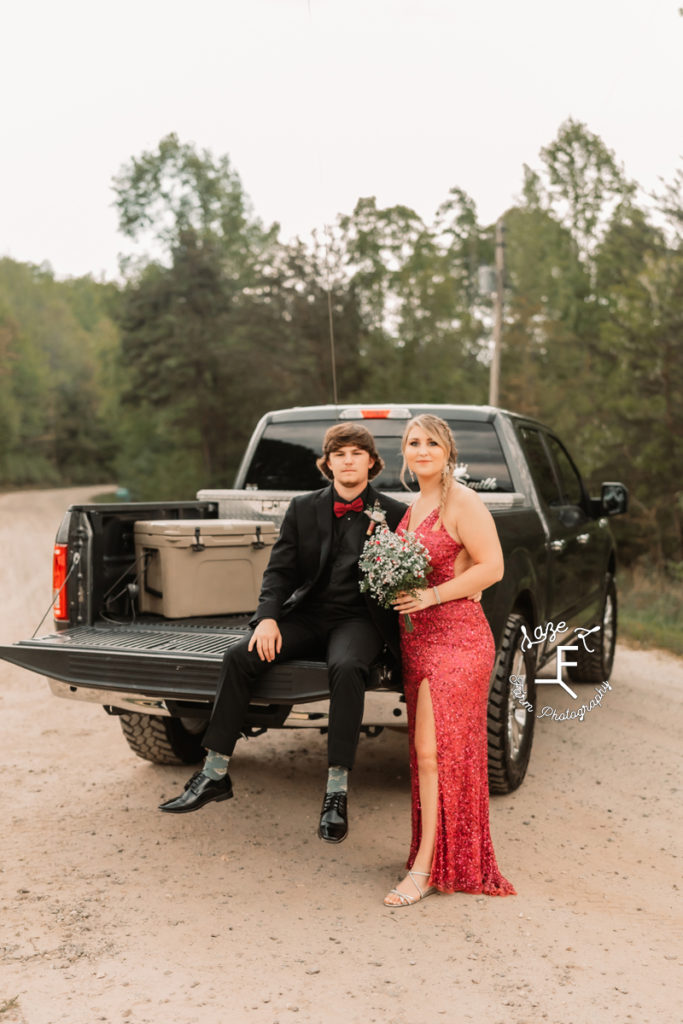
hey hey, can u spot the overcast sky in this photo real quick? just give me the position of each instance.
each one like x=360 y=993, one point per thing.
x=318 y=102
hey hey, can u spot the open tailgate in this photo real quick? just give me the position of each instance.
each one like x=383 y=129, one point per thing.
x=162 y=661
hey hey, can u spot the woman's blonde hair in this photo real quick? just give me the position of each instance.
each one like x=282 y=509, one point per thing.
x=439 y=431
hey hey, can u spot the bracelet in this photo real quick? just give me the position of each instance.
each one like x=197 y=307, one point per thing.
x=436 y=595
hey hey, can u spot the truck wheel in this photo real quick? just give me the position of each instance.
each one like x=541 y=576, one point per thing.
x=164 y=740
x=596 y=666
x=510 y=724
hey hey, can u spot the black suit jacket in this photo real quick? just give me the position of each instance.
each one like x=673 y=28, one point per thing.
x=300 y=554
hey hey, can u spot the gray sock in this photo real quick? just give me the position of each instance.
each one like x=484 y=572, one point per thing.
x=216 y=765
x=337 y=779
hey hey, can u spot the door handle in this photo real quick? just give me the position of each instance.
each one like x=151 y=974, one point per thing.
x=583 y=538
x=558 y=545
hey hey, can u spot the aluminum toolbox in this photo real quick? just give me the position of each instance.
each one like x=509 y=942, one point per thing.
x=193 y=567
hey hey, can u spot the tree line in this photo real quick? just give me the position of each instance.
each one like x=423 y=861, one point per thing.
x=158 y=381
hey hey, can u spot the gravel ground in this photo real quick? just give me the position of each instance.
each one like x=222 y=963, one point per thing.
x=112 y=911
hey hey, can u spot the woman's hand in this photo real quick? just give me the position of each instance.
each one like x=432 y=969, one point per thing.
x=406 y=604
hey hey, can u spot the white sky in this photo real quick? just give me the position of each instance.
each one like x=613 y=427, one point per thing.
x=318 y=102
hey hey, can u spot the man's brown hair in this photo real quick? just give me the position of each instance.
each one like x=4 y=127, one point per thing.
x=341 y=434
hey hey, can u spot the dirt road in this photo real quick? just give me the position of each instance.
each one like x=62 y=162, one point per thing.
x=114 y=912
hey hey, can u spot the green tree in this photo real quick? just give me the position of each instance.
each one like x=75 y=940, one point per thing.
x=54 y=422
x=312 y=283
x=640 y=272
x=174 y=193
x=593 y=328
x=554 y=363
x=182 y=315
x=545 y=358
x=415 y=288
x=584 y=182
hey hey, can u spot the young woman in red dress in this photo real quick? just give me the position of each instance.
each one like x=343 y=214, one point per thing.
x=447 y=662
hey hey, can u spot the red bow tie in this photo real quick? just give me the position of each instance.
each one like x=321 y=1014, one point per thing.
x=342 y=507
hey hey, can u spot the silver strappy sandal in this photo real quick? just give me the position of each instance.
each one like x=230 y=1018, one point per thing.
x=404 y=899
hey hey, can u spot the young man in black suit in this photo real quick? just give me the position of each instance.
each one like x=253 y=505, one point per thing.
x=310 y=602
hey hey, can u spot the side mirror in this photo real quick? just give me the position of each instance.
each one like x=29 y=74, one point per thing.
x=613 y=499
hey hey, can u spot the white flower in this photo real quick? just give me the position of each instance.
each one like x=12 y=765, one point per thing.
x=376 y=514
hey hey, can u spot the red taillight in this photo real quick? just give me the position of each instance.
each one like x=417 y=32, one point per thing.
x=59 y=560
x=357 y=412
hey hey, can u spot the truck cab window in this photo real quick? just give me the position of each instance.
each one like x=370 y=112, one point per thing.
x=286 y=453
x=570 y=482
x=540 y=465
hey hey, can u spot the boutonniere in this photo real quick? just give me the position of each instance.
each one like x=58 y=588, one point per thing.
x=377 y=517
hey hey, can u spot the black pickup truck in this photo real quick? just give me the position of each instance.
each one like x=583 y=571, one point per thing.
x=115 y=645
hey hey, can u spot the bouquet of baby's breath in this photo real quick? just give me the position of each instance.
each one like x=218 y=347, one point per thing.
x=391 y=564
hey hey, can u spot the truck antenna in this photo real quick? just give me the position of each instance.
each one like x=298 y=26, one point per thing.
x=328 y=235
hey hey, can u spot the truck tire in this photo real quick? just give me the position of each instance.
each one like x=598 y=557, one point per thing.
x=596 y=666
x=163 y=740
x=510 y=725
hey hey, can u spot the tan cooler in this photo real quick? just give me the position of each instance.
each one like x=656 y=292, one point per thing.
x=189 y=567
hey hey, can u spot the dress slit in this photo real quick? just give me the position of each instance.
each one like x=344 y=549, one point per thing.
x=417 y=801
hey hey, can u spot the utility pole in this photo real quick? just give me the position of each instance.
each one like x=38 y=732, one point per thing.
x=494 y=379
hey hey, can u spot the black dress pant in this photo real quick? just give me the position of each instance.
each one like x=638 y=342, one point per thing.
x=349 y=645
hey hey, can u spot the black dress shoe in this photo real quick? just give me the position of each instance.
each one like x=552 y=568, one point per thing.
x=198 y=791
x=334 y=824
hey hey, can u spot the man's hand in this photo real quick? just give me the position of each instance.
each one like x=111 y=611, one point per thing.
x=267 y=639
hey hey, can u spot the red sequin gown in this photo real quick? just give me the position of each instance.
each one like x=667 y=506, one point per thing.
x=451 y=646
